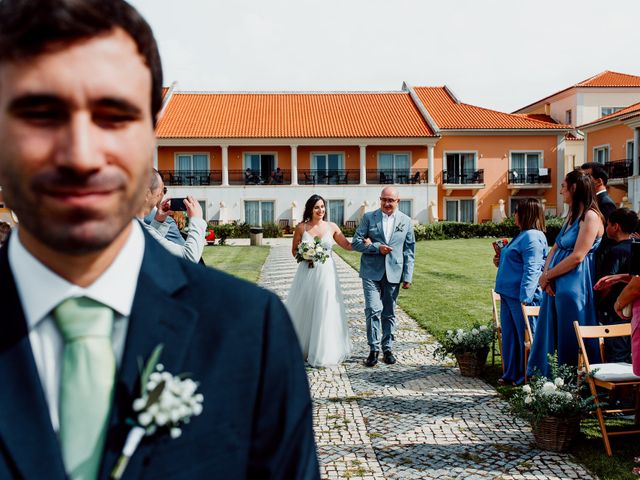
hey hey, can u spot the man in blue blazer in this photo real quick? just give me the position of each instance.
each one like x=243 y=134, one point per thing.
x=385 y=262
x=87 y=295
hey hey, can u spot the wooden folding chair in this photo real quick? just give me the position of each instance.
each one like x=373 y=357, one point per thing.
x=608 y=376
x=527 y=312
x=495 y=300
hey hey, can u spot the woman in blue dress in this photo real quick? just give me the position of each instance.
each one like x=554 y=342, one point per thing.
x=568 y=279
x=520 y=267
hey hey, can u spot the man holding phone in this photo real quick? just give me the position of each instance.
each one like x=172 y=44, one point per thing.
x=195 y=241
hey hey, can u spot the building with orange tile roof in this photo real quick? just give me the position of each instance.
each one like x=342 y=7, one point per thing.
x=264 y=153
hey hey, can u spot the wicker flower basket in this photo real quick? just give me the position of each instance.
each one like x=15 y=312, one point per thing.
x=472 y=363
x=555 y=433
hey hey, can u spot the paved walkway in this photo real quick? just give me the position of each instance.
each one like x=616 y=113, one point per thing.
x=416 y=419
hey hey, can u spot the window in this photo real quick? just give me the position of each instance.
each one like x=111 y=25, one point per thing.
x=460 y=166
x=525 y=166
x=394 y=163
x=260 y=164
x=327 y=163
x=567 y=117
x=258 y=212
x=405 y=207
x=335 y=211
x=609 y=110
x=188 y=162
x=629 y=150
x=459 y=211
x=601 y=154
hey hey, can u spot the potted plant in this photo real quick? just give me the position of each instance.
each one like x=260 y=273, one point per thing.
x=469 y=347
x=553 y=406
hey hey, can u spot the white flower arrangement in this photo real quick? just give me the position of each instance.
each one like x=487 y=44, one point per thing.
x=312 y=252
x=166 y=402
x=477 y=339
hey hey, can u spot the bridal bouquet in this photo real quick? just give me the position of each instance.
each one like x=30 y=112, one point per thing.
x=312 y=252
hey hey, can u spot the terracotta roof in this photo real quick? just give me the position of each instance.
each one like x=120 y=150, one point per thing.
x=164 y=91
x=627 y=112
x=603 y=79
x=538 y=116
x=572 y=137
x=610 y=79
x=291 y=115
x=448 y=113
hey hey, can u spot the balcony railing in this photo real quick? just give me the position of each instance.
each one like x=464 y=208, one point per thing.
x=463 y=177
x=191 y=177
x=520 y=176
x=619 y=168
x=283 y=177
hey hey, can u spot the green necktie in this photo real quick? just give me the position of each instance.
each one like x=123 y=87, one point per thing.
x=86 y=383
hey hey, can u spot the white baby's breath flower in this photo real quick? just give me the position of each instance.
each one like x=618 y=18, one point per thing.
x=145 y=418
x=156 y=377
x=483 y=328
x=139 y=404
x=159 y=367
x=161 y=418
x=175 y=432
x=197 y=409
x=475 y=331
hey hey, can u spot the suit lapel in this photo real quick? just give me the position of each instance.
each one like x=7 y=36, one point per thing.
x=157 y=317
x=25 y=425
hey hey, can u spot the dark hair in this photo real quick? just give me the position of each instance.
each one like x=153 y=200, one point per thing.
x=308 y=207
x=597 y=171
x=530 y=214
x=626 y=218
x=29 y=28
x=583 y=198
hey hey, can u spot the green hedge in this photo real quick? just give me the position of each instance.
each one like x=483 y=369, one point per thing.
x=449 y=230
x=242 y=230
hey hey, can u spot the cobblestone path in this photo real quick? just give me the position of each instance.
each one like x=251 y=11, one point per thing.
x=416 y=419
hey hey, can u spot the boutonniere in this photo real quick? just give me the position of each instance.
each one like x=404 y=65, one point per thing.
x=400 y=227
x=166 y=402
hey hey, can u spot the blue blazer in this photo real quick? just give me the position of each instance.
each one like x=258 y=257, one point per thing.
x=398 y=265
x=232 y=337
x=521 y=264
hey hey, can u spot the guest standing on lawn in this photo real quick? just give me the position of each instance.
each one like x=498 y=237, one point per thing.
x=520 y=265
x=568 y=279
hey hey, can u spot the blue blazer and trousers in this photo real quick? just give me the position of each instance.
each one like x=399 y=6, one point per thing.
x=521 y=264
x=233 y=338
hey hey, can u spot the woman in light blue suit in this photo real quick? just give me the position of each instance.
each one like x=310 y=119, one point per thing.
x=519 y=269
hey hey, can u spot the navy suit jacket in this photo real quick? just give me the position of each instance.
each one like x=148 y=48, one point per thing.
x=232 y=337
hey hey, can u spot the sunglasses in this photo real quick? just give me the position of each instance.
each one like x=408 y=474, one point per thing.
x=387 y=200
x=164 y=190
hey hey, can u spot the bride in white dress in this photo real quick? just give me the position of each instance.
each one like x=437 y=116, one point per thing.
x=315 y=298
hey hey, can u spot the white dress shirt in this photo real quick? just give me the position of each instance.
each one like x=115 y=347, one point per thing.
x=388 y=222
x=41 y=290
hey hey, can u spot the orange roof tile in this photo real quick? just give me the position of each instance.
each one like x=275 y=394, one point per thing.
x=627 y=112
x=450 y=114
x=572 y=137
x=291 y=115
x=164 y=91
x=610 y=79
x=603 y=79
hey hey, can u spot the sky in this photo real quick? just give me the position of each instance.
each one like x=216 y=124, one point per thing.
x=499 y=54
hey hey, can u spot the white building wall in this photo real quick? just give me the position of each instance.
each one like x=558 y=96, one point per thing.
x=560 y=106
x=593 y=100
x=355 y=197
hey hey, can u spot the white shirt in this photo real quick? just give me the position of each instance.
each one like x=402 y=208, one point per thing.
x=388 y=222
x=40 y=291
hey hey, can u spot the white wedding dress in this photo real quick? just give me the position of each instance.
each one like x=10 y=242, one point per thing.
x=317 y=310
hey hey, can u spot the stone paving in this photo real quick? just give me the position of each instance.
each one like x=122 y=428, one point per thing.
x=417 y=419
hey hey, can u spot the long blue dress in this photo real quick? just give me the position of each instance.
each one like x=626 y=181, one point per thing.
x=574 y=300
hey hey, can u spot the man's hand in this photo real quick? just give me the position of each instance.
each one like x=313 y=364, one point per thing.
x=193 y=207
x=163 y=210
x=385 y=249
x=406 y=285
x=366 y=242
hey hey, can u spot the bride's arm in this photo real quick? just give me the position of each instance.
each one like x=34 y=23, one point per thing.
x=297 y=236
x=339 y=237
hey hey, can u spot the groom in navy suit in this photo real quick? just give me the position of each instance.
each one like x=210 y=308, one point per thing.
x=80 y=90
x=386 y=261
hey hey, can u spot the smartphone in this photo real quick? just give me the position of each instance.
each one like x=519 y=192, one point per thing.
x=634 y=264
x=498 y=245
x=177 y=205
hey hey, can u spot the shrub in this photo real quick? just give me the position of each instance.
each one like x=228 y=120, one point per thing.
x=475 y=340
x=348 y=232
x=271 y=230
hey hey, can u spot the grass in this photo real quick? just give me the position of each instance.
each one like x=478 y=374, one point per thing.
x=241 y=261
x=451 y=288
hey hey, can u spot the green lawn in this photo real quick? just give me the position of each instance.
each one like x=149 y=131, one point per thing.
x=242 y=261
x=451 y=288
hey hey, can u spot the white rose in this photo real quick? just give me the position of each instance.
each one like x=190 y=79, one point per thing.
x=559 y=382
x=475 y=331
x=548 y=387
x=528 y=400
x=526 y=389
x=459 y=331
x=483 y=328
x=449 y=332
x=307 y=255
